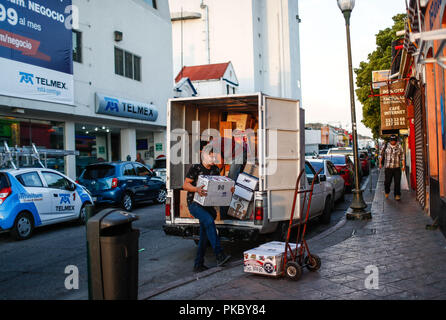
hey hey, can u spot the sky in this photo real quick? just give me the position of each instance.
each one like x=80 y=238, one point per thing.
x=325 y=83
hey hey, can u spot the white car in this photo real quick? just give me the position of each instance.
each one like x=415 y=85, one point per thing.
x=340 y=151
x=34 y=197
x=333 y=176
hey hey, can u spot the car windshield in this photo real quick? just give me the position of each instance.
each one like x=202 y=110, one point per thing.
x=3 y=181
x=317 y=166
x=160 y=164
x=99 y=172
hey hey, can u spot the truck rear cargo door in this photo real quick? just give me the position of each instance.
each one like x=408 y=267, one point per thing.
x=283 y=145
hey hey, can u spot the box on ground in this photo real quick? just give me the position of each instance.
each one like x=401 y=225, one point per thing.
x=266 y=261
x=218 y=191
x=240 y=208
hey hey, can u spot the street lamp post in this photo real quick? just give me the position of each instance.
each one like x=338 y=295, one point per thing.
x=358 y=206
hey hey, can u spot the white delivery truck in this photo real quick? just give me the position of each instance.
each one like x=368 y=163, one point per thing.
x=280 y=152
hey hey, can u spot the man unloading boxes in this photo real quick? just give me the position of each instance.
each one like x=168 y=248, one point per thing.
x=202 y=209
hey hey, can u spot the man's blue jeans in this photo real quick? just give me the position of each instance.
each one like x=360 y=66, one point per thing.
x=208 y=231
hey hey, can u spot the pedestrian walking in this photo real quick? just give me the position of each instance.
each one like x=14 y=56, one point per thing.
x=206 y=215
x=392 y=159
x=140 y=159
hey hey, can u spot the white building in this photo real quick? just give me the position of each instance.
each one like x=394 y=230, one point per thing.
x=312 y=141
x=122 y=56
x=210 y=79
x=260 y=37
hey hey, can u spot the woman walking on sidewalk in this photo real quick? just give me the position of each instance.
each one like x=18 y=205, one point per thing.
x=392 y=158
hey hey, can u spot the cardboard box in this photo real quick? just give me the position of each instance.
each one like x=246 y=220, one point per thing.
x=278 y=245
x=252 y=170
x=248 y=181
x=184 y=210
x=218 y=189
x=227 y=125
x=240 y=208
x=243 y=193
x=266 y=261
x=241 y=120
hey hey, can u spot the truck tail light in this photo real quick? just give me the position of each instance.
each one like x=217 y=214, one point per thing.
x=168 y=207
x=258 y=214
x=114 y=183
x=4 y=193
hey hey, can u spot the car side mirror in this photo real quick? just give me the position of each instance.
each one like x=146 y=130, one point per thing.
x=322 y=178
x=71 y=187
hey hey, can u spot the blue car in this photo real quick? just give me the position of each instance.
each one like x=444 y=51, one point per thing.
x=35 y=197
x=122 y=184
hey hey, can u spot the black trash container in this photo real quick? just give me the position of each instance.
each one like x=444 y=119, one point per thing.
x=113 y=256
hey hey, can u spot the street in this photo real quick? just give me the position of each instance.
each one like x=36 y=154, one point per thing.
x=35 y=269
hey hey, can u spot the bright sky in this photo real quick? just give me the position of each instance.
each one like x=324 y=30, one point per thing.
x=325 y=84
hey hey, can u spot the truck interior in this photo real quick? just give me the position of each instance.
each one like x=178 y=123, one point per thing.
x=240 y=114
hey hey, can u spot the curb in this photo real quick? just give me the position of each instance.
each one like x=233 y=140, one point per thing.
x=178 y=283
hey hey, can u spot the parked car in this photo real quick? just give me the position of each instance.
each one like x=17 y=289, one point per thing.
x=323 y=152
x=365 y=162
x=159 y=168
x=345 y=167
x=341 y=151
x=123 y=184
x=333 y=176
x=361 y=173
x=35 y=197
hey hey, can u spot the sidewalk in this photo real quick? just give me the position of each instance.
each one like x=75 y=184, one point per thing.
x=410 y=259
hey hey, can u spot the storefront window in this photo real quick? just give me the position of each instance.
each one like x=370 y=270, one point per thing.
x=44 y=134
x=96 y=144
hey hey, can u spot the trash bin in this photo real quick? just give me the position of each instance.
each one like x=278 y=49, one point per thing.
x=113 y=255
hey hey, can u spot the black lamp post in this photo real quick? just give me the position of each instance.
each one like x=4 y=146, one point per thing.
x=358 y=206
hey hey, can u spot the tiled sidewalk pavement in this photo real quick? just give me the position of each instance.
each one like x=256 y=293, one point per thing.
x=411 y=261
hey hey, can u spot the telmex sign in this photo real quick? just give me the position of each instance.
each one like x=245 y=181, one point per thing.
x=119 y=107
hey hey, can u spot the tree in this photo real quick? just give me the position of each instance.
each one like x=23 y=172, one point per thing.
x=380 y=59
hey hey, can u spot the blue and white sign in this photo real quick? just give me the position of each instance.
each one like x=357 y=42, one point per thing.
x=119 y=107
x=36 y=59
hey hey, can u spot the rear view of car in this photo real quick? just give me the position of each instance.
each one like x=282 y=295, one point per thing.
x=343 y=166
x=102 y=182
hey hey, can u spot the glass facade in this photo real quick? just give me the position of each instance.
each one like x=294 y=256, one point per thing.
x=24 y=132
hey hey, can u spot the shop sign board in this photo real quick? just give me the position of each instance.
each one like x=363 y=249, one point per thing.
x=36 y=59
x=380 y=78
x=393 y=106
x=125 y=108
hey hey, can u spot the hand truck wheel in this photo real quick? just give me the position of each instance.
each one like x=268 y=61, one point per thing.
x=314 y=263
x=293 y=271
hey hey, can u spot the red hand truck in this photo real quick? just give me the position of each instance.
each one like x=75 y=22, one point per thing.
x=295 y=260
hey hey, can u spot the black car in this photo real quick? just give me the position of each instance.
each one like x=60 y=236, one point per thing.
x=122 y=184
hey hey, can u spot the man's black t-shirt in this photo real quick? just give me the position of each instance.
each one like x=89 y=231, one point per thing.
x=199 y=170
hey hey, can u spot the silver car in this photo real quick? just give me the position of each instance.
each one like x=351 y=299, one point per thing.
x=333 y=176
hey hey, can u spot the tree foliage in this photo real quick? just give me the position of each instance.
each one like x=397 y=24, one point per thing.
x=380 y=59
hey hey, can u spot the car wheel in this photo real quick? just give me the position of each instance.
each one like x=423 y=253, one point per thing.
x=83 y=214
x=127 y=202
x=326 y=215
x=161 y=197
x=23 y=226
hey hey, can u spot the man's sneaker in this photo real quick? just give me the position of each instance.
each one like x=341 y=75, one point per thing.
x=222 y=259
x=201 y=268
x=387 y=196
x=397 y=198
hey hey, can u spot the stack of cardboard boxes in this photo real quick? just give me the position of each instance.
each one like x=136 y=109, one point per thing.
x=242 y=203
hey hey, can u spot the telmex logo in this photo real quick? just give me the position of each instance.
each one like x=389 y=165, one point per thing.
x=112 y=104
x=29 y=78
x=65 y=198
x=26 y=78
